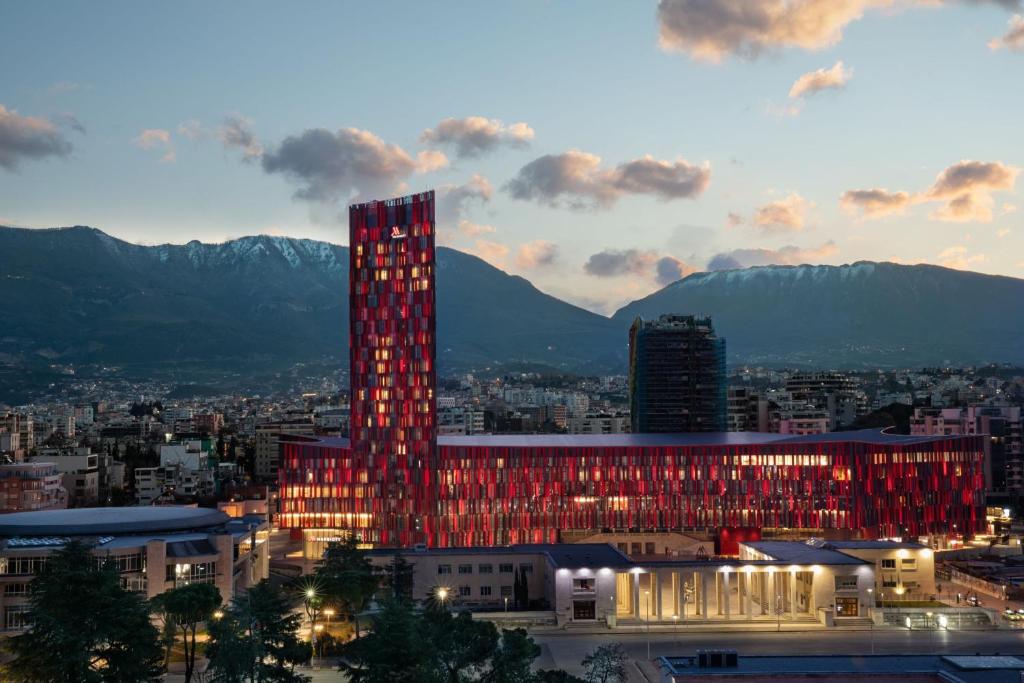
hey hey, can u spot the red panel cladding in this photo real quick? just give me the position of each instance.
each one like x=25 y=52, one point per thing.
x=729 y=538
x=392 y=351
x=495 y=495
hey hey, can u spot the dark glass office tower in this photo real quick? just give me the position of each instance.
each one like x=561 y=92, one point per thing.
x=677 y=380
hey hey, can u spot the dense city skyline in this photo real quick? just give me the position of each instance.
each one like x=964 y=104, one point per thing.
x=617 y=151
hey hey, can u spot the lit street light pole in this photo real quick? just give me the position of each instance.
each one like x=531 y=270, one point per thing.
x=442 y=595
x=647 y=595
x=871 y=600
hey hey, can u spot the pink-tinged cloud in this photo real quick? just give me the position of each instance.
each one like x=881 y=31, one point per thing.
x=668 y=269
x=430 y=160
x=473 y=136
x=454 y=200
x=813 y=82
x=158 y=139
x=783 y=215
x=734 y=220
x=876 y=202
x=236 y=133
x=710 y=30
x=471 y=229
x=28 y=138
x=578 y=180
x=966 y=190
x=789 y=255
x=960 y=258
x=536 y=254
x=330 y=166
x=1013 y=39
x=494 y=253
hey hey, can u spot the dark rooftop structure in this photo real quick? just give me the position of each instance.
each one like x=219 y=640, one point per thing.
x=562 y=555
x=868 y=436
x=109 y=521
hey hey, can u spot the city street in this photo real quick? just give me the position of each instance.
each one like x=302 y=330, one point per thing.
x=566 y=651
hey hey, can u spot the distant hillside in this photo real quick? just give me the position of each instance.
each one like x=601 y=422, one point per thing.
x=77 y=295
x=254 y=306
x=866 y=314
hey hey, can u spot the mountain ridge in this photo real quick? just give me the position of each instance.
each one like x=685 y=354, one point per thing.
x=264 y=302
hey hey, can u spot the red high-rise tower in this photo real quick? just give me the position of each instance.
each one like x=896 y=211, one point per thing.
x=392 y=351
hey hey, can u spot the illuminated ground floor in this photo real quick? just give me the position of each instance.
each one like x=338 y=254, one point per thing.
x=596 y=583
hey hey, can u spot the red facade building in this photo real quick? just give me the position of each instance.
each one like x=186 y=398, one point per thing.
x=396 y=484
x=391 y=356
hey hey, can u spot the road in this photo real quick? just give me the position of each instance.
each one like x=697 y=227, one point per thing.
x=566 y=651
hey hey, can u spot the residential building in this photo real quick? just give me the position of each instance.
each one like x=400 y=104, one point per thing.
x=28 y=486
x=676 y=376
x=268 y=443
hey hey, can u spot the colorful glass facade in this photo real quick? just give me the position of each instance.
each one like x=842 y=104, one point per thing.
x=396 y=484
x=391 y=353
x=495 y=494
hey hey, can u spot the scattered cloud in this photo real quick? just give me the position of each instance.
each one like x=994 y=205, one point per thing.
x=159 y=139
x=813 y=82
x=614 y=262
x=471 y=229
x=1008 y=209
x=236 y=132
x=874 y=203
x=453 y=200
x=712 y=30
x=329 y=167
x=536 y=254
x=430 y=160
x=191 y=130
x=28 y=138
x=1003 y=232
x=958 y=257
x=474 y=136
x=668 y=269
x=578 y=179
x=69 y=120
x=734 y=220
x=1013 y=39
x=786 y=256
x=494 y=253
x=782 y=215
x=966 y=188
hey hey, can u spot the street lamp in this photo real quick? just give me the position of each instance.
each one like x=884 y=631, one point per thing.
x=647 y=595
x=506 y=603
x=442 y=595
x=329 y=612
x=312 y=602
x=871 y=627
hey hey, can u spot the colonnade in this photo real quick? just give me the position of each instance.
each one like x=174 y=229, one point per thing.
x=674 y=594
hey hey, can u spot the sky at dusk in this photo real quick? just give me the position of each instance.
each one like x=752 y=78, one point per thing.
x=599 y=149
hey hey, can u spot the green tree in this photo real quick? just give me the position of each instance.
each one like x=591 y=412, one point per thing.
x=556 y=676
x=257 y=639
x=462 y=646
x=347 y=578
x=398 y=578
x=394 y=650
x=184 y=608
x=511 y=662
x=84 y=627
x=606 y=664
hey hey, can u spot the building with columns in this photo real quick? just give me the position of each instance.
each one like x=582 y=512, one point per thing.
x=775 y=581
